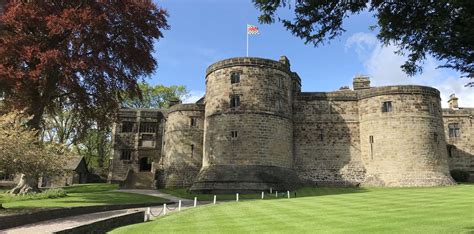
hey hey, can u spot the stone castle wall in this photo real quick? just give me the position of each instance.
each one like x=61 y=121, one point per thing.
x=408 y=146
x=327 y=144
x=279 y=137
x=183 y=145
x=460 y=148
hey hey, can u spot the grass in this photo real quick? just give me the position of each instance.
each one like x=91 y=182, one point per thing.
x=330 y=210
x=78 y=195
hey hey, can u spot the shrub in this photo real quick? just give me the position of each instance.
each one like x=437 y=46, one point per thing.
x=48 y=193
x=460 y=175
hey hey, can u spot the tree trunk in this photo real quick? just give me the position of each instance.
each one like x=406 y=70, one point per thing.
x=27 y=184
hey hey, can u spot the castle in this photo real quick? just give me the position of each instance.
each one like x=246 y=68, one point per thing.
x=256 y=130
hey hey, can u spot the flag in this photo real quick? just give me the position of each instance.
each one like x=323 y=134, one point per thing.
x=252 y=29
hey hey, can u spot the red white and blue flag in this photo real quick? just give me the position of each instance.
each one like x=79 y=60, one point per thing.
x=252 y=29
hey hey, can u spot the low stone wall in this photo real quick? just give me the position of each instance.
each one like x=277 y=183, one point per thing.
x=106 y=225
x=23 y=219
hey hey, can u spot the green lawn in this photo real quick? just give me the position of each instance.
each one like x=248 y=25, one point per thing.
x=330 y=210
x=80 y=195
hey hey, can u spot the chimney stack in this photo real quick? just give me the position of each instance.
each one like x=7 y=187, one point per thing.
x=361 y=82
x=453 y=102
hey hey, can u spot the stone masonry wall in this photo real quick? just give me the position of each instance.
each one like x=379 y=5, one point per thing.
x=183 y=145
x=461 y=149
x=262 y=124
x=408 y=146
x=327 y=144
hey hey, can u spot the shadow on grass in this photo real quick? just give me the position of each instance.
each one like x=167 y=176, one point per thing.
x=302 y=192
x=90 y=188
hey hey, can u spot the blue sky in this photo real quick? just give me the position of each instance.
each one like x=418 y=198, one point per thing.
x=205 y=31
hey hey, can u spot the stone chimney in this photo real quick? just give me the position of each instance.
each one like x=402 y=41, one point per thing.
x=285 y=60
x=361 y=82
x=175 y=101
x=453 y=102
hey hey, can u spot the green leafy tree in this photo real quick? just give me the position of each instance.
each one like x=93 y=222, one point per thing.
x=441 y=28
x=22 y=152
x=157 y=96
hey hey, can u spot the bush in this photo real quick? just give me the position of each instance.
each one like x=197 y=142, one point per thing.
x=48 y=193
x=460 y=175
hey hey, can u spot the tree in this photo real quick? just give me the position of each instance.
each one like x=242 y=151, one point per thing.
x=91 y=52
x=21 y=151
x=157 y=96
x=441 y=28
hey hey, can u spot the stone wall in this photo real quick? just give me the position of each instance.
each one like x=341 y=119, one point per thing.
x=460 y=148
x=252 y=143
x=327 y=144
x=183 y=145
x=408 y=146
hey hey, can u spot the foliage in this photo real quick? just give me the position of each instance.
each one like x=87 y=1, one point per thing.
x=84 y=195
x=21 y=151
x=46 y=194
x=157 y=96
x=329 y=210
x=440 y=28
x=460 y=175
x=90 y=52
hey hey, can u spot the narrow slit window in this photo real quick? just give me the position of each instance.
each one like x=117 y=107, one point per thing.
x=235 y=77
x=193 y=121
x=435 y=137
x=192 y=151
x=233 y=134
x=387 y=107
x=371 y=140
x=234 y=101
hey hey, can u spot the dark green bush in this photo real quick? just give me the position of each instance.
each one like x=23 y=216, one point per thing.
x=460 y=175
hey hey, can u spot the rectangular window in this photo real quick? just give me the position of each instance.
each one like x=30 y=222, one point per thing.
x=233 y=134
x=126 y=155
x=321 y=137
x=279 y=82
x=192 y=151
x=151 y=127
x=234 y=101
x=127 y=126
x=235 y=77
x=387 y=107
x=147 y=140
x=279 y=105
x=435 y=137
x=454 y=131
x=371 y=139
x=193 y=121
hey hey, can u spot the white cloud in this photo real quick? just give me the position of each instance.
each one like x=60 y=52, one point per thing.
x=383 y=67
x=195 y=95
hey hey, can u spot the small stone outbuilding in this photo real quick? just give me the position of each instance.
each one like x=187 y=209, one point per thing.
x=76 y=172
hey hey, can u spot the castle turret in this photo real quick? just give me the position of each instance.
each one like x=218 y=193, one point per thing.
x=402 y=137
x=248 y=138
x=183 y=145
x=453 y=102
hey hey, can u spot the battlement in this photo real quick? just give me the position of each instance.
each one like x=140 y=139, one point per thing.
x=248 y=61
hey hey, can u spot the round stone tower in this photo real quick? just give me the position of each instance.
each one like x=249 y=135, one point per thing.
x=402 y=138
x=248 y=130
x=183 y=145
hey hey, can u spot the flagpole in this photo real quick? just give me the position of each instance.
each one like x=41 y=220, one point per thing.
x=247 y=32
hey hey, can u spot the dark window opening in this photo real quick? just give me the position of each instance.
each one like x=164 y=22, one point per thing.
x=127 y=126
x=193 y=121
x=234 y=77
x=145 y=164
x=192 y=151
x=321 y=138
x=450 y=150
x=371 y=140
x=387 y=107
x=234 y=101
x=435 y=137
x=233 y=134
x=454 y=130
x=126 y=155
x=148 y=127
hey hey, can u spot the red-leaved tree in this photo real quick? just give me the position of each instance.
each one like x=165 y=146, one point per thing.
x=87 y=52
